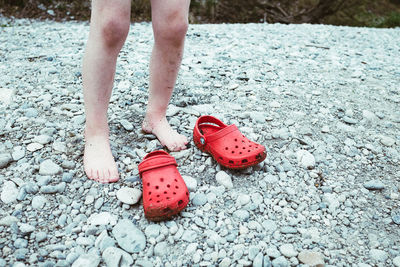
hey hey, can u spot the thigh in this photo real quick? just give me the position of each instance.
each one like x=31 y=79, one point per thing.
x=165 y=11
x=104 y=10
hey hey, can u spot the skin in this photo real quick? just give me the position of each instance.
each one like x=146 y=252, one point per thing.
x=109 y=27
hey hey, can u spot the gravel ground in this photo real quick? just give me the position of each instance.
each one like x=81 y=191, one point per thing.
x=324 y=100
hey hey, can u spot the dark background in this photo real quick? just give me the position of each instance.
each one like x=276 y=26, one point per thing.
x=369 y=13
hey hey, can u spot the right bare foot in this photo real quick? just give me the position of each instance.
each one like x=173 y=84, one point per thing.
x=98 y=161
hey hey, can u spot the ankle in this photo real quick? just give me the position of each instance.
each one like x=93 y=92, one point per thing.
x=96 y=130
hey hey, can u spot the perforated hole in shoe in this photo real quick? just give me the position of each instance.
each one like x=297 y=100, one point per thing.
x=157 y=187
x=161 y=179
x=231 y=161
x=165 y=192
x=168 y=185
x=244 y=161
x=180 y=202
x=148 y=184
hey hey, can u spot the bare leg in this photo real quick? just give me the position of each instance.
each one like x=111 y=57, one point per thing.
x=170 y=23
x=110 y=21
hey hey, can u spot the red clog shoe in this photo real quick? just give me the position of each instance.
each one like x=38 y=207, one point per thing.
x=228 y=146
x=164 y=191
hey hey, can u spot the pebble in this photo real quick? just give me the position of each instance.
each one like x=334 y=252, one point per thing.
x=199 y=199
x=9 y=192
x=127 y=125
x=269 y=226
x=387 y=141
x=190 y=182
x=189 y=236
x=153 y=230
x=396 y=261
x=102 y=218
x=374 y=185
x=280 y=262
x=288 y=250
x=18 y=153
x=161 y=249
x=128 y=236
x=32 y=147
x=311 y=258
x=5 y=159
x=226 y=262
x=115 y=257
x=129 y=195
x=378 y=255
x=396 y=216
x=224 y=179
x=349 y=120
x=26 y=228
x=258 y=260
x=40 y=236
x=38 y=202
x=48 y=167
x=42 y=139
x=8 y=220
x=305 y=159
x=87 y=260
x=242 y=215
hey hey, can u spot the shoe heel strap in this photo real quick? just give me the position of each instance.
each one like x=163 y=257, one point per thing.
x=206 y=119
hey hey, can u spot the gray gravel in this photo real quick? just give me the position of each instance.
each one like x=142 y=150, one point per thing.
x=324 y=100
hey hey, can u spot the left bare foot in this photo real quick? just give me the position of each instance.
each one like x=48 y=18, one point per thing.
x=166 y=135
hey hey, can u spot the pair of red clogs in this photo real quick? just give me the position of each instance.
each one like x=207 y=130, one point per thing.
x=164 y=191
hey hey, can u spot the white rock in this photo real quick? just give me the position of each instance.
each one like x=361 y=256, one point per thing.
x=32 y=147
x=87 y=260
x=288 y=250
x=396 y=261
x=378 y=255
x=9 y=192
x=190 y=182
x=172 y=110
x=305 y=159
x=48 y=167
x=275 y=104
x=42 y=139
x=102 y=218
x=311 y=258
x=126 y=124
x=129 y=195
x=224 y=179
x=6 y=95
x=387 y=141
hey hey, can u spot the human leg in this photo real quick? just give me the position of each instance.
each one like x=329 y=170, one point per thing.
x=170 y=23
x=109 y=26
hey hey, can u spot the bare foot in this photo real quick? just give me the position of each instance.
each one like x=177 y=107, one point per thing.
x=166 y=135
x=98 y=161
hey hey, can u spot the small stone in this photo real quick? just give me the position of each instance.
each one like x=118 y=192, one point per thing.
x=288 y=250
x=26 y=228
x=374 y=185
x=87 y=260
x=224 y=179
x=89 y=199
x=190 y=182
x=113 y=256
x=199 y=199
x=60 y=147
x=8 y=220
x=128 y=236
x=387 y=141
x=280 y=262
x=153 y=230
x=311 y=258
x=325 y=129
x=32 y=147
x=258 y=260
x=102 y=218
x=396 y=261
x=161 y=249
x=42 y=139
x=332 y=201
x=242 y=215
x=48 y=167
x=288 y=230
x=368 y=115
x=275 y=104
x=126 y=124
x=67 y=177
x=40 y=236
x=305 y=159
x=378 y=255
x=349 y=120
x=5 y=159
x=38 y=202
x=18 y=153
x=243 y=199
x=226 y=262
x=396 y=216
x=9 y=192
x=189 y=236
x=129 y=195
x=269 y=226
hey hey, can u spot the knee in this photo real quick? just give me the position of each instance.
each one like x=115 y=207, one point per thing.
x=114 y=31
x=172 y=30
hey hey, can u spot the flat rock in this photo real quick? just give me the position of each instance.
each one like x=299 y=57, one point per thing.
x=190 y=182
x=32 y=147
x=305 y=159
x=288 y=250
x=387 y=141
x=396 y=261
x=128 y=236
x=102 y=218
x=5 y=159
x=115 y=257
x=378 y=255
x=48 y=167
x=374 y=185
x=87 y=260
x=8 y=220
x=129 y=195
x=161 y=249
x=127 y=125
x=311 y=258
x=9 y=192
x=224 y=179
